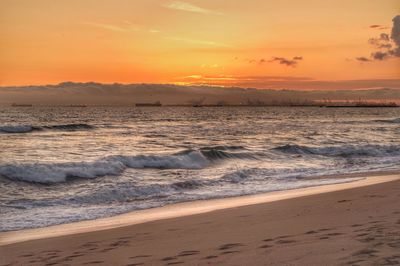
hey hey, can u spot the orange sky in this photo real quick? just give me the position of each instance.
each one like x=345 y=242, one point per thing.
x=199 y=41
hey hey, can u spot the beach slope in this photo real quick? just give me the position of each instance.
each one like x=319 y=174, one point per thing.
x=357 y=226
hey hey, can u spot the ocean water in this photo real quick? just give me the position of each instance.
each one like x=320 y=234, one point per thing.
x=64 y=164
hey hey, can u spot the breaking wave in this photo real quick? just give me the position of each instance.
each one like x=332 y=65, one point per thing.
x=27 y=129
x=342 y=151
x=48 y=173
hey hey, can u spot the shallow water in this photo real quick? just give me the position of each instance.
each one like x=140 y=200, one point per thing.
x=60 y=165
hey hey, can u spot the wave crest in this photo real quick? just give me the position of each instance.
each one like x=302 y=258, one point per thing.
x=28 y=129
x=48 y=173
x=342 y=151
x=391 y=121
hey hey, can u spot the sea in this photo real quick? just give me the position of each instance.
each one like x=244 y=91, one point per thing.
x=66 y=164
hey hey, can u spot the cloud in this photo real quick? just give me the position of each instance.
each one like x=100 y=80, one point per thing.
x=382 y=42
x=386 y=45
x=183 y=6
x=205 y=79
x=285 y=82
x=362 y=59
x=281 y=60
x=122 y=27
x=110 y=27
x=378 y=27
x=256 y=61
x=243 y=78
x=384 y=37
x=210 y=66
x=395 y=35
x=379 y=55
x=201 y=42
x=288 y=62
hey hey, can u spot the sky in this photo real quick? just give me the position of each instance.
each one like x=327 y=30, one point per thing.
x=252 y=43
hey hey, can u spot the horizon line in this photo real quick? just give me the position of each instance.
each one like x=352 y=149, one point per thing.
x=227 y=86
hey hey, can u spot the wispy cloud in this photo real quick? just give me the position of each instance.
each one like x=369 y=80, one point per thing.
x=379 y=27
x=126 y=27
x=201 y=78
x=122 y=27
x=286 y=82
x=109 y=27
x=281 y=60
x=201 y=42
x=183 y=6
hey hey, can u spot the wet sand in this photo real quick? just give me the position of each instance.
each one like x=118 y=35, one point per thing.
x=349 y=226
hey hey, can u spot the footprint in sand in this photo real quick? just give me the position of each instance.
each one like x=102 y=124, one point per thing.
x=310 y=232
x=268 y=240
x=229 y=252
x=230 y=245
x=168 y=258
x=286 y=241
x=94 y=262
x=282 y=237
x=188 y=253
x=140 y=256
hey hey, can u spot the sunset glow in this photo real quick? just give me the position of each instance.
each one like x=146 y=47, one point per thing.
x=186 y=42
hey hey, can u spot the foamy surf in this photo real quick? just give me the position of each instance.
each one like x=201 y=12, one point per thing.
x=60 y=165
x=48 y=173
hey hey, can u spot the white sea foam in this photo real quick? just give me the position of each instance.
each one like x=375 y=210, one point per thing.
x=188 y=160
x=59 y=172
x=48 y=173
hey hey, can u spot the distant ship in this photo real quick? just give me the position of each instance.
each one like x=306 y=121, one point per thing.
x=158 y=103
x=363 y=105
x=76 y=105
x=21 y=105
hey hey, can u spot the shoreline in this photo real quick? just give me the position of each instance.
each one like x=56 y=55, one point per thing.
x=185 y=209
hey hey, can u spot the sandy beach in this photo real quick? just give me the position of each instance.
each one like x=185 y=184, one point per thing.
x=341 y=226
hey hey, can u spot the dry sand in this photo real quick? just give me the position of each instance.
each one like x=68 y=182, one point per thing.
x=357 y=226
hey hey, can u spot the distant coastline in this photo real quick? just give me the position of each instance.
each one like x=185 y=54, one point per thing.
x=146 y=95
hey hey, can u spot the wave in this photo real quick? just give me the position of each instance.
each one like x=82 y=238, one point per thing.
x=342 y=151
x=391 y=121
x=225 y=152
x=49 y=173
x=189 y=184
x=28 y=129
x=69 y=127
x=16 y=129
